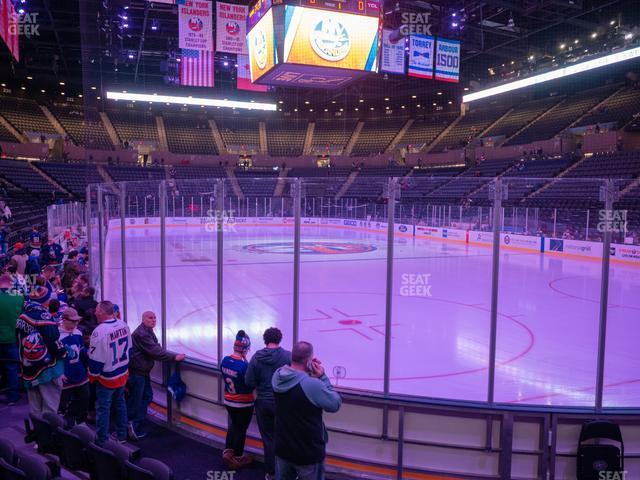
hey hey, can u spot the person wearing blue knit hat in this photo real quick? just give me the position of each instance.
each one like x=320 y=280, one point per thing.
x=238 y=400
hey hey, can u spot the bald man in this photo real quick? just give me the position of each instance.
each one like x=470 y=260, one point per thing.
x=146 y=350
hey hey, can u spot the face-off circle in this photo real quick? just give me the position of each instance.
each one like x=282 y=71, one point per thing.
x=311 y=248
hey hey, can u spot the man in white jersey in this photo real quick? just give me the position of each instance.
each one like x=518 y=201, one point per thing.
x=109 y=354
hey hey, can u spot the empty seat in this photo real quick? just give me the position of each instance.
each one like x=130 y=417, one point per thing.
x=148 y=469
x=72 y=450
x=108 y=461
x=7 y=450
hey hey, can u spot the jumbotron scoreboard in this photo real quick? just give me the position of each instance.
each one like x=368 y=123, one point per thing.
x=313 y=43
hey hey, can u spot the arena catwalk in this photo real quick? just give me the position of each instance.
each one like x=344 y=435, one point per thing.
x=547 y=323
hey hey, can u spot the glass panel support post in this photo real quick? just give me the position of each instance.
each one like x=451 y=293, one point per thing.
x=219 y=215
x=391 y=209
x=101 y=240
x=608 y=194
x=123 y=248
x=163 y=291
x=498 y=195
x=88 y=223
x=297 y=196
x=163 y=262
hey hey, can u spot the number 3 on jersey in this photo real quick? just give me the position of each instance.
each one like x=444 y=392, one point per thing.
x=231 y=388
x=118 y=347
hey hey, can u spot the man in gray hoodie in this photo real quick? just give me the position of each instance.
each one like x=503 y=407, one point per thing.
x=259 y=374
x=302 y=392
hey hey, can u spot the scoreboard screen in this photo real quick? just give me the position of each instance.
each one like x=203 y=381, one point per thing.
x=330 y=39
x=370 y=8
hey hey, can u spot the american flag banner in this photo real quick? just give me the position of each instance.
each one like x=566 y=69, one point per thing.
x=9 y=27
x=197 y=68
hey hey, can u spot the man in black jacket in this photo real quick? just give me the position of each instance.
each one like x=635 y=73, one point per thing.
x=259 y=375
x=302 y=392
x=145 y=351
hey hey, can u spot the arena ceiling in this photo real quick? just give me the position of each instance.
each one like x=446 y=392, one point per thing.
x=130 y=43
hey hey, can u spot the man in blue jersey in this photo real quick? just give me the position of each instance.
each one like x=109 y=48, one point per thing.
x=238 y=400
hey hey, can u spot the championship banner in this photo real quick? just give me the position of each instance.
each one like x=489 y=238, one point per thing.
x=9 y=27
x=421 y=56
x=231 y=28
x=244 y=76
x=195 y=25
x=448 y=60
x=393 y=54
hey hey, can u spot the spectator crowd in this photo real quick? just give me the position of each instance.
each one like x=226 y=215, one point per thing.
x=77 y=357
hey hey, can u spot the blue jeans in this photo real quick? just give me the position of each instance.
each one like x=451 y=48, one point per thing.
x=9 y=351
x=140 y=396
x=104 y=398
x=288 y=471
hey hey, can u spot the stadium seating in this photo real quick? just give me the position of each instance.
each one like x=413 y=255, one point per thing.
x=565 y=113
x=189 y=134
x=376 y=135
x=586 y=176
x=424 y=130
x=25 y=115
x=74 y=177
x=6 y=135
x=134 y=126
x=468 y=128
x=257 y=183
x=19 y=173
x=332 y=135
x=619 y=108
x=83 y=126
x=239 y=132
x=285 y=138
x=521 y=116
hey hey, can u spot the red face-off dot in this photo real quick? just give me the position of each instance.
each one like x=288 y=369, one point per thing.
x=349 y=322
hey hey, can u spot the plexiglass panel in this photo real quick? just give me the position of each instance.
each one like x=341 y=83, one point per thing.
x=343 y=278
x=441 y=289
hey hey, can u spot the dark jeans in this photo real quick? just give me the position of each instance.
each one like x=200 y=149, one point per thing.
x=140 y=396
x=104 y=398
x=288 y=471
x=239 y=420
x=74 y=404
x=9 y=351
x=266 y=416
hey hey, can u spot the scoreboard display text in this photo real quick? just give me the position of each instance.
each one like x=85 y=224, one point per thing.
x=370 y=8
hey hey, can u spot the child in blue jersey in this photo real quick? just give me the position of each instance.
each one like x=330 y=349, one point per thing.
x=238 y=400
x=74 y=402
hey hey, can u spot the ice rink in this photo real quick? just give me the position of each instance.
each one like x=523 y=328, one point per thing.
x=548 y=310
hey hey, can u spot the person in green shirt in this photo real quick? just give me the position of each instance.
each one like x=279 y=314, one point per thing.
x=11 y=303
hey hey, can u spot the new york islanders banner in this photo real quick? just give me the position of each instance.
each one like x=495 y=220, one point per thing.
x=421 y=56
x=195 y=25
x=231 y=28
x=448 y=60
